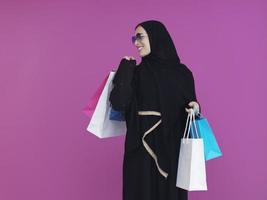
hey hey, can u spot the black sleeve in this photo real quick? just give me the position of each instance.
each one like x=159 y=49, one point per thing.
x=190 y=92
x=122 y=91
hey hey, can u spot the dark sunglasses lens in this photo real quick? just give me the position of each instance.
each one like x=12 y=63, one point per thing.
x=133 y=39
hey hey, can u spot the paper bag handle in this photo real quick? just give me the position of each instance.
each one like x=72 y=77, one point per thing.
x=190 y=117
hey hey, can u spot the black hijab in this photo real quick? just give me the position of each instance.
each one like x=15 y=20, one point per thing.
x=163 y=52
x=175 y=87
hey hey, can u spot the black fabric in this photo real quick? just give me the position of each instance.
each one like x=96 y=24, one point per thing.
x=161 y=83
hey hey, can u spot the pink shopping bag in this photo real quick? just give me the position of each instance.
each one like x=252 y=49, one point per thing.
x=89 y=109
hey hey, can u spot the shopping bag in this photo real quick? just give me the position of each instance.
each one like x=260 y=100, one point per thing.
x=211 y=147
x=191 y=170
x=90 y=107
x=116 y=115
x=100 y=124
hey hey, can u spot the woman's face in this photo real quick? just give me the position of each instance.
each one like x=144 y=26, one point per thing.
x=142 y=43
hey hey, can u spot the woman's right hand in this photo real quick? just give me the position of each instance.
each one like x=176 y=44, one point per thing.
x=129 y=57
x=130 y=60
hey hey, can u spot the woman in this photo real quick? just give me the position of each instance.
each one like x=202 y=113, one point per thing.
x=154 y=97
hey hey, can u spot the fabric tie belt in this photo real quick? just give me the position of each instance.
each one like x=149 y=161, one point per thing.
x=150 y=151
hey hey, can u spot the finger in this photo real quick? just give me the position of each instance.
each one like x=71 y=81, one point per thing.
x=192 y=103
x=188 y=110
x=126 y=57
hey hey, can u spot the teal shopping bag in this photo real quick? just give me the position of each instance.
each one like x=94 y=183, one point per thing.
x=211 y=147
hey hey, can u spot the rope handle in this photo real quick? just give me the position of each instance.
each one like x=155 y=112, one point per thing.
x=194 y=121
x=190 y=118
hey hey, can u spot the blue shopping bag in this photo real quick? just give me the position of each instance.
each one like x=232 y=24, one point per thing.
x=211 y=147
x=116 y=115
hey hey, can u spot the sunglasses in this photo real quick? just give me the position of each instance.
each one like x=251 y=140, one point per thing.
x=138 y=37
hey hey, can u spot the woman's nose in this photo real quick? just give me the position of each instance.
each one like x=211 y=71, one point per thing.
x=138 y=42
x=135 y=43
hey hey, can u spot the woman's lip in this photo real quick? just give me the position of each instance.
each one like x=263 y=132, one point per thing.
x=139 y=48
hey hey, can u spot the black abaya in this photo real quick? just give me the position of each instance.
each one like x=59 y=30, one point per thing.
x=149 y=87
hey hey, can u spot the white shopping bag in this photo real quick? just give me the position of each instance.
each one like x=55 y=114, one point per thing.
x=191 y=170
x=100 y=124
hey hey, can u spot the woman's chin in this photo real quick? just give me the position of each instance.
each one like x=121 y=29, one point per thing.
x=142 y=54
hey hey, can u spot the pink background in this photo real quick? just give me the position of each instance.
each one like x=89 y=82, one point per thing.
x=54 y=54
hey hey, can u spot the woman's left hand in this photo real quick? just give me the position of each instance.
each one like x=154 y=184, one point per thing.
x=195 y=106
